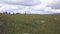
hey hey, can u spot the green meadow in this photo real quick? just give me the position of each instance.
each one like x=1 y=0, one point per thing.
x=29 y=24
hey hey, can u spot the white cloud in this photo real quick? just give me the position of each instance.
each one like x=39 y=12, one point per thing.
x=39 y=7
x=22 y=2
x=28 y=6
x=55 y=4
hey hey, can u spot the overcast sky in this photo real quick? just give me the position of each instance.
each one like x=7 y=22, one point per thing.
x=30 y=6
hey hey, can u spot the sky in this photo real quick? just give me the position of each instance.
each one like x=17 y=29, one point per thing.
x=30 y=6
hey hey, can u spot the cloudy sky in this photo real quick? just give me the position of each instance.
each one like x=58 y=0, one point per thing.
x=30 y=6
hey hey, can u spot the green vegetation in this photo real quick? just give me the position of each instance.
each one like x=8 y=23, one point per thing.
x=29 y=24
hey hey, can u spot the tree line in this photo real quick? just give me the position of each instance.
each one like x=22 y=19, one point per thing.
x=10 y=13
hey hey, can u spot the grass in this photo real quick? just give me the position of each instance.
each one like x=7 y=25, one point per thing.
x=29 y=24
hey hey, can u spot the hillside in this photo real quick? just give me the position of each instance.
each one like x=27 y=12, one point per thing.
x=29 y=24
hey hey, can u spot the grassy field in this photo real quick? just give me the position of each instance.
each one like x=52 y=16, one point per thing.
x=29 y=24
